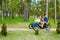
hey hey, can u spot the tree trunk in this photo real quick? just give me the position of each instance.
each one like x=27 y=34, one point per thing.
x=26 y=10
x=2 y=10
x=25 y=13
x=42 y=7
x=6 y=13
x=11 y=15
x=47 y=8
x=55 y=11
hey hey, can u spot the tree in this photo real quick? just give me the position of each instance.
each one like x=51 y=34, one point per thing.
x=26 y=9
x=0 y=2
x=10 y=12
x=0 y=6
x=6 y=7
x=51 y=9
x=20 y=7
x=55 y=10
x=47 y=7
x=2 y=10
x=58 y=9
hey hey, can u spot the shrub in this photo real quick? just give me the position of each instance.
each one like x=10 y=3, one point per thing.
x=4 y=29
x=58 y=28
x=36 y=31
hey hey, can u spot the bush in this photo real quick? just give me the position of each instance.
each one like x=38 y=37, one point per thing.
x=4 y=29
x=36 y=32
x=58 y=28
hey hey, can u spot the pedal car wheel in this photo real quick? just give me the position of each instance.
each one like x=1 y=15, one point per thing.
x=35 y=28
x=30 y=26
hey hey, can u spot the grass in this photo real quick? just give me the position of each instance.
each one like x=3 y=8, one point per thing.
x=51 y=21
x=18 y=22
x=18 y=25
x=13 y=21
x=29 y=35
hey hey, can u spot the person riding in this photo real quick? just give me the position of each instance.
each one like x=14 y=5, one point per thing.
x=35 y=23
x=41 y=22
x=37 y=19
x=45 y=22
x=46 y=19
x=42 y=18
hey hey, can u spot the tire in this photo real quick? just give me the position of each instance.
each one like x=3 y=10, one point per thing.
x=30 y=27
x=48 y=28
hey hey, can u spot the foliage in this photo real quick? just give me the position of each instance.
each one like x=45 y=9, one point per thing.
x=51 y=21
x=0 y=1
x=35 y=7
x=36 y=31
x=58 y=28
x=4 y=29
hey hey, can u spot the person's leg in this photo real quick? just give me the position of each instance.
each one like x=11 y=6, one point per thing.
x=40 y=27
x=44 y=26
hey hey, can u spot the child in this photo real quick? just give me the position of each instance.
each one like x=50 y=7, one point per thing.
x=37 y=19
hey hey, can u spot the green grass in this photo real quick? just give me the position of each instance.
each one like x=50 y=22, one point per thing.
x=17 y=22
x=29 y=35
x=13 y=21
x=51 y=21
x=22 y=24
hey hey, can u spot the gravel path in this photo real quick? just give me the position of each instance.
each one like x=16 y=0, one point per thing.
x=25 y=29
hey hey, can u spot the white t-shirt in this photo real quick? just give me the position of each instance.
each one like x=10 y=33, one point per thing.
x=37 y=20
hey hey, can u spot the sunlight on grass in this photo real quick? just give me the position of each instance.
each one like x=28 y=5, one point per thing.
x=51 y=21
x=19 y=22
x=29 y=35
